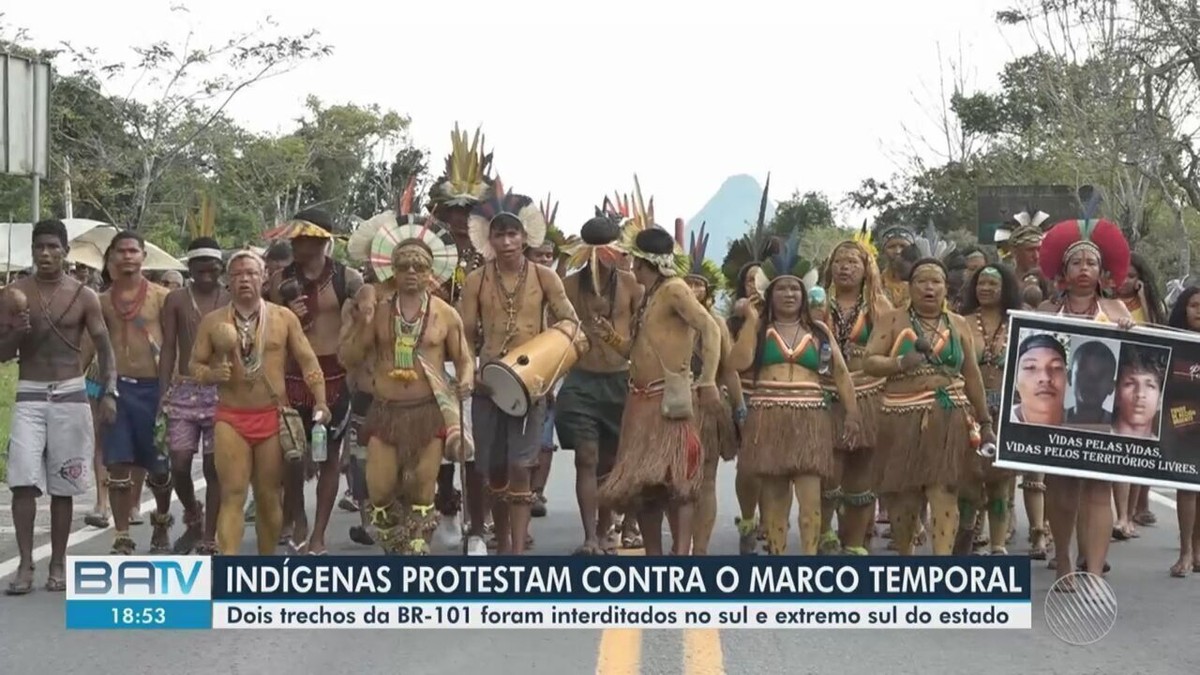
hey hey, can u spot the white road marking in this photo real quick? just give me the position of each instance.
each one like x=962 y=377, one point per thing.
x=80 y=536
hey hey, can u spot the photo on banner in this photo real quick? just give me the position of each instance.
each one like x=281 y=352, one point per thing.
x=1091 y=400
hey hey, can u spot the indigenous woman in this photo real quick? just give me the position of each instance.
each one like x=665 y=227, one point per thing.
x=991 y=294
x=1140 y=295
x=751 y=284
x=857 y=301
x=788 y=438
x=934 y=409
x=1186 y=316
x=1077 y=254
x=718 y=435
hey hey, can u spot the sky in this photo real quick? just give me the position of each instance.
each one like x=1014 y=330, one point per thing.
x=575 y=98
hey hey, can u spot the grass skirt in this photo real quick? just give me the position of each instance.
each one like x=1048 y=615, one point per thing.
x=717 y=430
x=868 y=394
x=408 y=426
x=658 y=460
x=788 y=431
x=924 y=439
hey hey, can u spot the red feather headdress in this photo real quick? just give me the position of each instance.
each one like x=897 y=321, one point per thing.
x=1101 y=236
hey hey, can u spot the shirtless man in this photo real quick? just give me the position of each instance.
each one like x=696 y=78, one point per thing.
x=505 y=300
x=243 y=349
x=323 y=285
x=189 y=405
x=44 y=318
x=659 y=459
x=132 y=309
x=414 y=413
x=592 y=397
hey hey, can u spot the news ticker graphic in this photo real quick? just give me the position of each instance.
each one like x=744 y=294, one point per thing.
x=440 y=592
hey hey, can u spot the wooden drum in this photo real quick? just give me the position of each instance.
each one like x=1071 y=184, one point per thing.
x=530 y=371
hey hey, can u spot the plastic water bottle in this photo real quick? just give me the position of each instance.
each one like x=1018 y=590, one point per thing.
x=826 y=358
x=320 y=449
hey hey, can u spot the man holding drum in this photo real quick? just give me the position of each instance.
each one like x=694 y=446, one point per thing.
x=505 y=301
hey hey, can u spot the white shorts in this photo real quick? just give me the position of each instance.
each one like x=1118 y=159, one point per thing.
x=468 y=429
x=50 y=445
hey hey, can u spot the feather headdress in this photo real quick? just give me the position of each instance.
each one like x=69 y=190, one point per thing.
x=499 y=204
x=639 y=216
x=1102 y=237
x=932 y=245
x=616 y=208
x=863 y=237
x=358 y=247
x=465 y=181
x=699 y=267
x=203 y=222
x=785 y=261
x=1025 y=229
x=553 y=234
x=758 y=242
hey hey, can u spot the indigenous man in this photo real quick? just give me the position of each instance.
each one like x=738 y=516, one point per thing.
x=717 y=432
x=243 y=348
x=316 y=288
x=188 y=404
x=406 y=336
x=50 y=440
x=133 y=309
x=659 y=459
x=464 y=184
x=1076 y=253
x=277 y=256
x=545 y=255
x=893 y=241
x=1022 y=240
x=505 y=301
x=592 y=397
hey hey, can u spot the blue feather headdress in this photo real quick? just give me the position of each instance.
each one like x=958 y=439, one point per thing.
x=786 y=261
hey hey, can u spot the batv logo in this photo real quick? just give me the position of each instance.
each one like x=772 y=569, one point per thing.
x=118 y=576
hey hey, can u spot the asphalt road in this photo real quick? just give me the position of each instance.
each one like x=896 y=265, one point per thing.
x=1155 y=629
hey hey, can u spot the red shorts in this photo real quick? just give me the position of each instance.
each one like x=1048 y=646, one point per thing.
x=253 y=424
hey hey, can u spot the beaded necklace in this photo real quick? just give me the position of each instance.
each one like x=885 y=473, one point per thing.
x=409 y=335
x=992 y=355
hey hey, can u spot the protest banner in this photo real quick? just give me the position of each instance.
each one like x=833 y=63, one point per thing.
x=1088 y=399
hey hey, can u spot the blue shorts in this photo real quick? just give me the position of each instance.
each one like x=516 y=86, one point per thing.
x=130 y=438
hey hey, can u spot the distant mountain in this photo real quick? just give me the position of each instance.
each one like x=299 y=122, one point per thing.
x=730 y=213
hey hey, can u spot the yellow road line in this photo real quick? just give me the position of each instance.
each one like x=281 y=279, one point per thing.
x=702 y=652
x=621 y=648
x=620 y=652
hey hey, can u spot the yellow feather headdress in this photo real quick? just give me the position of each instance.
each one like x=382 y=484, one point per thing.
x=465 y=181
x=203 y=221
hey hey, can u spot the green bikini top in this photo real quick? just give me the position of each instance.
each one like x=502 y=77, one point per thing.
x=947 y=345
x=806 y=354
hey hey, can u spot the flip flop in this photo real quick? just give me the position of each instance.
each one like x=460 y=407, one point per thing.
x=15 y=587
x=1180 y=570
x=56 y=585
